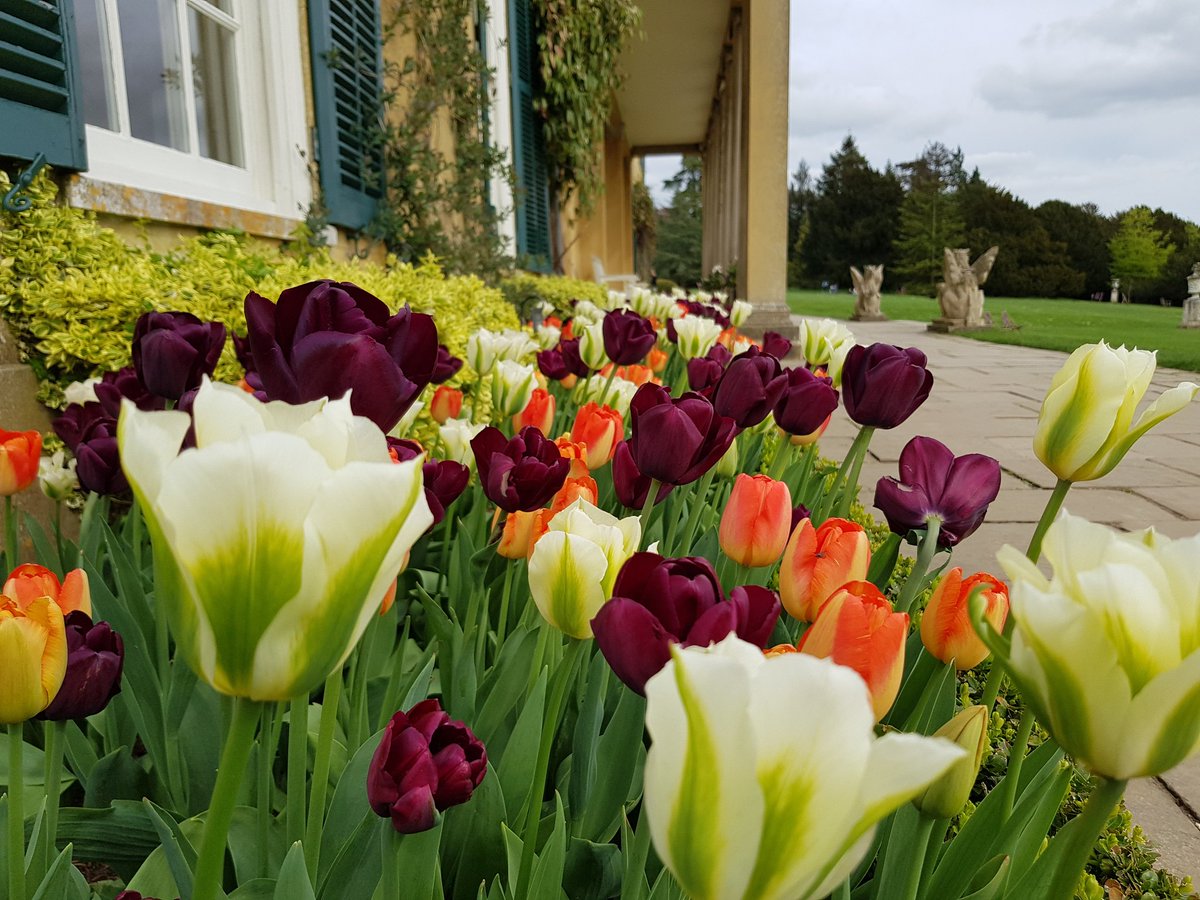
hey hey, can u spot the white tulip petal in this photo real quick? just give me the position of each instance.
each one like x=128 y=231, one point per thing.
x=1162 y=726
x=148 y=443
x=566 y=578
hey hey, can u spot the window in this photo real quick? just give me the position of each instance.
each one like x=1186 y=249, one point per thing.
x=187 y=97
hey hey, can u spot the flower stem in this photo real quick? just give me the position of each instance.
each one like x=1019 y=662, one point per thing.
x=266 y=792
x=210 y=863
x=55 y=738
x=297 y=767
x=1088 y=825
x=925 y=553
x=782 y=459
x=1053 y=505
x=330 y=702
x=648 y=507
x=1016 y=760
x=389 y=852
x=505 y=598
x=915 y=863
x=849 y=490
x=58 y=537
x=10 y=534
x=16 y=794
x=699 y=495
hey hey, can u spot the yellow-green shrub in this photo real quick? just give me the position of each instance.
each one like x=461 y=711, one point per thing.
x=556 y=291
x=72 y=290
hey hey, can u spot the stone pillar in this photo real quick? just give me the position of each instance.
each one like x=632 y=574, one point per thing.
x=762 y=257
x=1191 y=306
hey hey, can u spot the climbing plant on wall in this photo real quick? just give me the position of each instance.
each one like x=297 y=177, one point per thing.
x=579 y=44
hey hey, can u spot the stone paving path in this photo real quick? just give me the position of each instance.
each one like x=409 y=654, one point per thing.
x=986 y=399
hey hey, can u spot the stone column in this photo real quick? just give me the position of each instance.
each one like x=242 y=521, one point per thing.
x=762 y=257
x=1191 y=306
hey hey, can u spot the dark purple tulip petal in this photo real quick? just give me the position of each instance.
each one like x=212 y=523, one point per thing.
x=569 y=348
x=776 y=344
x=749 y=389
x=715 y=625
x=98 y=461
x=628 y=337
x=124 y=384
x=882 y=385
x=95 y=659
x=806 y=402
x=446 y=367
x=633 y=640
x=521 y=473
x=703 y=375
x=173 y=351
x=630 y=484
x=75 y=421
x=445 y=480
x=758 y=610
x=551 y=364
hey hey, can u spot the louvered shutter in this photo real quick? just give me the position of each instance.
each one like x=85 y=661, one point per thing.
x=344 y=37
x=40 y=108
x=529 y=147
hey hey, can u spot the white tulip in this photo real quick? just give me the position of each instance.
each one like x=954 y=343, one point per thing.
x=57 y=477
x=739 y=313
x=82 y=392
x=512 y=386
x=696 y=335
x=456 y=435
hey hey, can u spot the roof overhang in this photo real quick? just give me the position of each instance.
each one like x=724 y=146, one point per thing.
x=671 y=73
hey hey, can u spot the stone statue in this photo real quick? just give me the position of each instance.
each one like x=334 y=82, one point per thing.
x=1191 y=306
x=960 y=296
x=1115 y=295
x=866 y=290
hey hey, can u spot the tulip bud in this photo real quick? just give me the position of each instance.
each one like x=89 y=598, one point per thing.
x=446 y=404
x=512 y=387
x=883 y=385
x=820 y=337
x=425 y=764
x=755 y=523
x=20 y=452
x=818 y=561
x=857 y=628
x=56 y=477
x=806 y=404
x=95 y=658
x=617 y=394
x=30 y=581
x=946 y=797
x=776 y=344
x=445 y=480
x=750 y=388
x=600 y=429
x=538 y=412
x=946 y=629
x=676 y=440
x=98 y=459
x=727 y=465
x=33 y=657
x=627 y=337
x=657 y=360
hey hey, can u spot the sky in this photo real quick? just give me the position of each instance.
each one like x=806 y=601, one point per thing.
x=1081 y=100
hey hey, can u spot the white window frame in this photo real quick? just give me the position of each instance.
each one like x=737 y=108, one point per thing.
x=500 y=119
x=271 y=107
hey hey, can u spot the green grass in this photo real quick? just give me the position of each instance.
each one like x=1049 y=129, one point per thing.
x=1049 y=324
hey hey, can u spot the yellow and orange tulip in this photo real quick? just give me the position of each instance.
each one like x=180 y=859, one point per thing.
x=538 y=412
x=446 y=404
x=818 y=561
x=600 y=428
x=857 y=628
x=30 y=581
x=515 y=538
x=946 y=628
x=20 y=452
x=575 y=452
x=33 y=657
x=757 y=518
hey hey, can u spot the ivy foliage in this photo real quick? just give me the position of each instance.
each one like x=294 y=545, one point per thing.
x=579 y=46
x=71 y=290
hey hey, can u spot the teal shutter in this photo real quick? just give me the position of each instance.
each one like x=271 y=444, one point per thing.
x=40 y=105
x=344 y=37
x=529 y=146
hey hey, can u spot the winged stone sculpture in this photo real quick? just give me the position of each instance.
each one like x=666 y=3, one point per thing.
x=866 y=289
x=960 y=295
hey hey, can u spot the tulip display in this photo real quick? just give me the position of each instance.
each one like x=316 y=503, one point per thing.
x=574 y=565
x=599 y=428
x=818 y=561
x=275 y=537
x=676 y=440
x=856 y=627
x=324 y=339
x=1086 y=424
x=934 y=483
x=95 y=659
x=425 y=764
x=20 y=452
x=883 y=385
x=172 y=351
x=946 y=629
x=756 y=521
x=519 y=473
x=658 y=602
x=747 y=803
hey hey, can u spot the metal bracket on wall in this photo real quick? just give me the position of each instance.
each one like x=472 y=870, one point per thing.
x=15 y=201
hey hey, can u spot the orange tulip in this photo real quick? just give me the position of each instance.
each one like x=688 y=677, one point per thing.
x=573 y=489
x=657 y=360
x=576 y=453
x=818 y=561
x=757 y=518
x=33 y=657
x=600 y=428
x=446 y=404
x=803 y=440
x=635 y=374
x=857 y=628
x=388 y=598
x=538 y=412
x=946 y=628
x=518 y=528
x=20 y=452
x=553 y=322
x=727 y=338
x=30 y=581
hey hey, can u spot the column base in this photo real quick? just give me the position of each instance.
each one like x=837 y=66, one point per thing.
x=771 y=317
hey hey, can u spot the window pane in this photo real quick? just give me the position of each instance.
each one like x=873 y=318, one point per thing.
x=214 y=76
x=95 y=64
x=153 y=71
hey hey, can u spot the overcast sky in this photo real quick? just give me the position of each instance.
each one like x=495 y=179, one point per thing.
x=1081 y=100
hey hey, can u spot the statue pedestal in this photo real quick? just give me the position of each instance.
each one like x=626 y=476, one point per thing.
x=1191 y=313
x=948 y=326
x=869 y=317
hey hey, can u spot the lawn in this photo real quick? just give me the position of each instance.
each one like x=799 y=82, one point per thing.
x=1050 y=324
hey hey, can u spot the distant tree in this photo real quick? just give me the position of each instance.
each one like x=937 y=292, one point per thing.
x=852 y=219
x=1086 y=234
x=1031 y=263
x=1139 y=250
x=681 y=227
x=929 y=216
x=1171 y=282
x=801 y=194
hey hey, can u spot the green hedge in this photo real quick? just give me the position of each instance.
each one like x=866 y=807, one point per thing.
x=522 y=289
x=72 y=290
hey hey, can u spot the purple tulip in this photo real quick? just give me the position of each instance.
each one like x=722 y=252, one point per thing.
x=934 y=482
x=569 y=348
x=676 y=440
x=806 y=402
x=325 y=338
x=98 y=461
x=658 y=602
x=631 y=485
x=173 y=351
x=552 y=365
x=445 y=480
x=241 y=349
x=883 y=385
x=75 y=421
x=447 y=365
x=628 y=337
x=95 y=658
x=522 y=473
x=124 y=384
x=750 y=388
x=425 y=764
x=776 y=344
x=799 y=514
x=696 y=308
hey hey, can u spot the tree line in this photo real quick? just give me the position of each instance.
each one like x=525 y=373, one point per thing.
x=903 y=215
